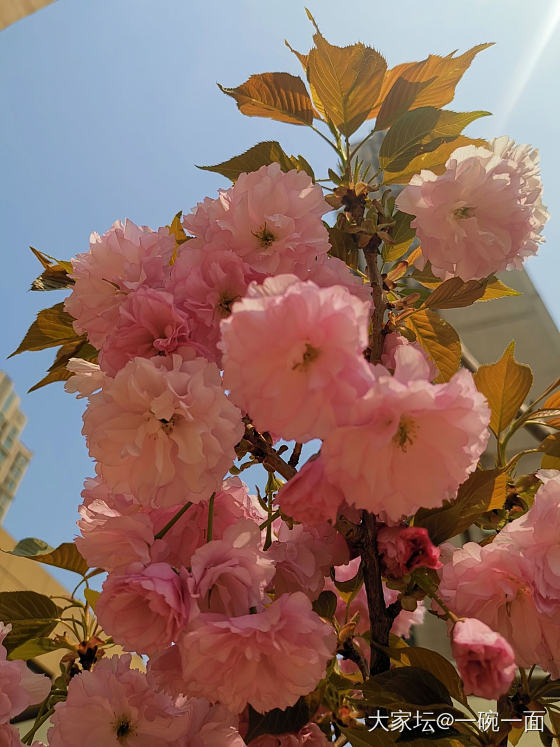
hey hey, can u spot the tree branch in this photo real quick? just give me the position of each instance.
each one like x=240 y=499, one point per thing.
x=371 y=252
x=264 y=452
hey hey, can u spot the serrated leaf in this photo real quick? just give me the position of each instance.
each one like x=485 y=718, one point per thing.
x=483 y=491
x=439 y=340
x=259 y=155
x=58 y=371
x=64 y=556
x=36 y=647
x=399 y=100
x=421 y=131
x=505 y=384
x=441 y=73
x=496 y=289
x=455 y=293
x=287 y=721
x=56 y=273
x=279 y=96
x=52 y=327
x=434 y=663
x=32 y=615
x=325 y=605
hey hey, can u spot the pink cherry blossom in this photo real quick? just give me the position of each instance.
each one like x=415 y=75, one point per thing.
x=309 y=497
x=9 y=737
x=241 y=660
x=229 y=575
x=326 y=271
x=409 y=443
x=402 y=549
x=208 y=725
x=19 y=686
x=205 y=284
x=145 y=609
x=87 y=378
x=271 y=219
x=405 y=620
x=391 y=353
x=304 y=555
x=484 y=659
x=163 y=430
x=303 y=373
x=483 y=214
x=308 y=736
x=148 y=324
x=123 y=259
x=114 y=705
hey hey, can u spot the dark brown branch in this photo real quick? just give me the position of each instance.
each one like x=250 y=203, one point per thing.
x=296 y=453
x=371 y=252
x=262 y=450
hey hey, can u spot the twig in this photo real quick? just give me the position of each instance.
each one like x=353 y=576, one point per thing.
x=266 y=454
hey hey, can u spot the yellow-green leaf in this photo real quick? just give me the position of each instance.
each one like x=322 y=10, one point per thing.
x=56 y=273
x=431 y=661
x=259 y=155
x=64 y=556
x=31 y=615
x=505 y=384
x=399 y=100
x=496 y=289
x=346 y=80
x=52 y=327
x=279 y=96
x=552 y=403
x=455 y=293
x=402 y=236
x=58 y=371
x=439 y=339
x=37 y=647
x=91 y=596
x=441 y=74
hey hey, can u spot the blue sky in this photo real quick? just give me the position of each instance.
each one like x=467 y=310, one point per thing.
x=108 y=104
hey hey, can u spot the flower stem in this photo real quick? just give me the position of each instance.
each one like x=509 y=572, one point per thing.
x=174 y=520
x=210 y=518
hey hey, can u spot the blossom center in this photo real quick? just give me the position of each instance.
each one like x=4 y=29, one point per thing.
x=310 y=354
x=464 y=212
x=265 y=237
x=225 y=303
x=406 y=433
x=123 y=728
x=167 y=425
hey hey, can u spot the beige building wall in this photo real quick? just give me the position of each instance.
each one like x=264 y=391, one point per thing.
x=14 y=456
x=12 y=10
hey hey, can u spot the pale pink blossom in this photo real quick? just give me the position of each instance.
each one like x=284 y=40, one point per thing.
x=145 y=609
x=205 y=284
x=230 y=575
x=148 y=324
x=19 y=686
x=402 y=549
x=303 y=373
x=309 y=497
x=9 y=737
x=123 y=259
x=271 y=219
x=484 y=659
x=392 y=344
x=207 y=725
x=326 y=271
x=243 y=659
x=483 y=214
x=308 y=736
x=165 y=671
x=409 y=443
x=113 y=705
x=304 y=555
x=405 y=620
x=87 y=378
x=163 y=430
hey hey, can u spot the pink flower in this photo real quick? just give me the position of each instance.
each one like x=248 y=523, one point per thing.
x=304 y=555
x=309 y=497
x=304 y=373
x=402 y=549
x=229 y=575
x=148 y=324
x=9 y=736
x=208 y=725
x=163 y=430
x=271 y=219
x=205 y=284
x=241 y=660
x=309 y=736
x=123 y=259
x=326 y=271
x=484 y=659
x=483 y=214
x=87 y=379
x=114 y=705
x=19 y=686
x=145 y=609
x=392 y=353
x=408 y=443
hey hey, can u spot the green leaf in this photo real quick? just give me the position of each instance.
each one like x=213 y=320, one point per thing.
x=399 y=100
x=505 y=384
x=56 y=273
x=456 y=293
x=259 y=155
x=432 y=160
x=91 y=596
x=496 y=289
x=411 y=685
x=343 y=246
x=279 y=96
x=37 y=647
x=482 y=490
x=31 y=615
x=58 y=371
x=288 y=721
x=325 y=605
x=439 y=339
x=52 y=327
x=434 y=663
x=348 y=589
x=64 y=556
x=402 y=235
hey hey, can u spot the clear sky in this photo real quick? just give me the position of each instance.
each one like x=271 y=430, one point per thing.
x=108 y=104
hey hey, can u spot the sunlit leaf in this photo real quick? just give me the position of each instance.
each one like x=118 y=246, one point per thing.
x=52 y=327
x=455 y=293
x=552 y=403
x=58 y=371
x=402 y=236
x=56 y=273
x=346 y=80
x=259 y=155
x=64 y=556
x=91 y=596
x=505 y=384
x=496 y=289
x=439 y=339
x=279 y=96
x=399 y=100
x=36 y=647
x=343 y=246
x=30 y=614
